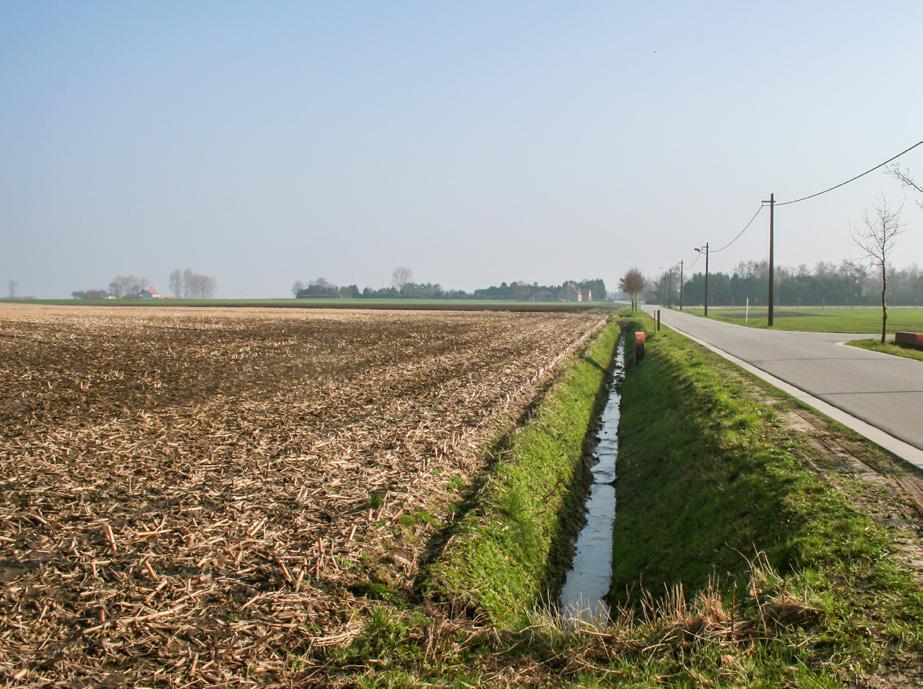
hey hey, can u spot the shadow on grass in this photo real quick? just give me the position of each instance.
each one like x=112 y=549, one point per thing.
x=688 y=429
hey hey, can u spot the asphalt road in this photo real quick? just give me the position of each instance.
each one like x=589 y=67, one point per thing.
x=883 y=390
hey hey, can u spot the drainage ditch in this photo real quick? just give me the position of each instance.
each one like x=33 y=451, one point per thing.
x=587 y=582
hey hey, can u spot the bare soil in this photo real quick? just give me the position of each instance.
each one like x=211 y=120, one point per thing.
x=188 y=497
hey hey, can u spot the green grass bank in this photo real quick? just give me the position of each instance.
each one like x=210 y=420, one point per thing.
x=510 y=552
x=889 y=347
x=697 y=486
x=712 y=479
x=860 y=319
x=747 y=552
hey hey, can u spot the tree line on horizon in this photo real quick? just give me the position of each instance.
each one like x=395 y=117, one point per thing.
x=403 y=287
x=847 y=284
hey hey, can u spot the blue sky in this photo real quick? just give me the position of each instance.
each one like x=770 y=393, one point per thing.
x=474 y=142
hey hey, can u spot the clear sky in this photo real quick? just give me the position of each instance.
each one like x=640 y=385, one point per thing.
x=472 y=141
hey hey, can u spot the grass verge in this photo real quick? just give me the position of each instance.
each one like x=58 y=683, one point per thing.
x=711 y=480
x=746 y=562
x=859 y=319
x=889 y=348
x=508 y=553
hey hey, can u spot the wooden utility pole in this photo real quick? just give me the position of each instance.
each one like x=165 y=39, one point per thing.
x=670 y=289
x=706 y=279
x=772 y=208
x=699 y=250
x=681 y=285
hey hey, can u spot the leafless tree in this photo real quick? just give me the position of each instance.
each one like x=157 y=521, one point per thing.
x=11 y=286
x=297 y=287
x=186 y=284
x=875 y=242
x=902 y=175
x=201 y=286
x=633 y=283
x=128 y=286
x=400 y=277
x=176 y=283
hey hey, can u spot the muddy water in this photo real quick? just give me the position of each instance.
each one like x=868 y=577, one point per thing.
x=588 y=580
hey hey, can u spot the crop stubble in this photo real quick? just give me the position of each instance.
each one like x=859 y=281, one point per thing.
x=187 y=496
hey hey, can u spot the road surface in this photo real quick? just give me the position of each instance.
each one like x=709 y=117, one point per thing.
x=882 y=390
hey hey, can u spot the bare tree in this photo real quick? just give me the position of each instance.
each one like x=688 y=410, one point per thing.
x=128 y=286
x=201 y=286
x=633 y=283
x=176 y=283
x=194 y=286
x=297 y=287
x=186 y=284
x=11 y=286
x=400 y=277
x=902 y=175
x=876 y=242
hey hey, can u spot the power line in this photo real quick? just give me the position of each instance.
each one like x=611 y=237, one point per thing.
x=746 y=227
x=805 y=198
x=851 y=179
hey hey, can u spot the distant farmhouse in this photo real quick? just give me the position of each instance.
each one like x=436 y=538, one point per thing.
x=571 y=291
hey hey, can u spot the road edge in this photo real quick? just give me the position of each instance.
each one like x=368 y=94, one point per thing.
x=892 y=444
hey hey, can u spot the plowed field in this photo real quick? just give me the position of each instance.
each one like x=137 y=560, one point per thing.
x=202 y=497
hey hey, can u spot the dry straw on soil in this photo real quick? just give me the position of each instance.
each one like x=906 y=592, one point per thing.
x=187 y=496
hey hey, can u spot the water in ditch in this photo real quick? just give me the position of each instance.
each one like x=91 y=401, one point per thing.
x=591 y=573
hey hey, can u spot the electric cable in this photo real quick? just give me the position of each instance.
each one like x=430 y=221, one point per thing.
x=740 y=234
x=851 y=179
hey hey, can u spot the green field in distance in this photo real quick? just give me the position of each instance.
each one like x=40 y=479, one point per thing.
x=864 y=319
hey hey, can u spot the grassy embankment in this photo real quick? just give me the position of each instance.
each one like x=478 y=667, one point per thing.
x=333 y=303
x=712 y=479
x=508 y=548
x=818 y=319
x=763 y=571
x=513 y=548
x=889 y=347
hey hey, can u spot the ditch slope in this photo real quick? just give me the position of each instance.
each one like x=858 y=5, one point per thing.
x=757 y=544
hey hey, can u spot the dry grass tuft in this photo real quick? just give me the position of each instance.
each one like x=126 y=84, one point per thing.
x=671 y=625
